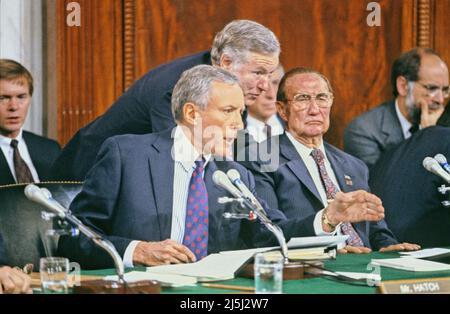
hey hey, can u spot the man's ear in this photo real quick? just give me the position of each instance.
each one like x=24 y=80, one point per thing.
x=282 y=110
x=402 y=86
x=190 y=112
x=226 y=62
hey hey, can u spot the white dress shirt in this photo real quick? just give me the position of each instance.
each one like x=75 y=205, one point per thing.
x=256 y=128
x=8 y=152
x=405 y=124
x=311 y=165
x=184 y=155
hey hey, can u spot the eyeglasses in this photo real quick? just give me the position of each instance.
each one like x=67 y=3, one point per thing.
x=433 y=90
x=302 y=101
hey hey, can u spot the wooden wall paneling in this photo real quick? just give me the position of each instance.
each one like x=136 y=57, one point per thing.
x=441 y=29
x=90 y=57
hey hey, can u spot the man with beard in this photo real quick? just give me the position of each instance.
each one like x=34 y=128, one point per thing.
x=420 y=83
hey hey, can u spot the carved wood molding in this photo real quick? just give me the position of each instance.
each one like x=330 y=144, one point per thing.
x=424 y=23
x=129 y=42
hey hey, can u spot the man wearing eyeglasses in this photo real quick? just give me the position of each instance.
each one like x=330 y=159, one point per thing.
x=419 y=80
x=311 y=174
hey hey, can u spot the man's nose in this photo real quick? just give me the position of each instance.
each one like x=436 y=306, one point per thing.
x=264 y=82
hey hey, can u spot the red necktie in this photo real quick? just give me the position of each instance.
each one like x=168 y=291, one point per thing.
x=23 y=173
x=196 y=224
x=354 y=239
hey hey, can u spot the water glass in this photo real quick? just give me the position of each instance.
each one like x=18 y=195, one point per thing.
x=54 y=273
x=268 y=273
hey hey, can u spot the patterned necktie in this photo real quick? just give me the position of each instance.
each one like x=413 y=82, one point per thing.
x=196 y=226
x=331 y=190
x=23 y=173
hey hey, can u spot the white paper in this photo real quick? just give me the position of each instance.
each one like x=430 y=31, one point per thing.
x=359 y=276
x=426 y=253
x=167 y=280
x=316 y=241
x=411 y=264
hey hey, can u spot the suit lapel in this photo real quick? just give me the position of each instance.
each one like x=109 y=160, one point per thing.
x=390 y=125
x=339 y=166
x=6 y=176
x=297 y=166
x=161 y=166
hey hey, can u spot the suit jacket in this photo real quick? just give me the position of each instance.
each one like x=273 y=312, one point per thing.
x=373 y=133
x=3 y=257
x=43 y=153
x=144 y=108
x=410 y=193
x=128 y=195
x=286 y=184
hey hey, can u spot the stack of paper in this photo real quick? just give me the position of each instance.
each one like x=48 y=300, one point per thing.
x=411 y=264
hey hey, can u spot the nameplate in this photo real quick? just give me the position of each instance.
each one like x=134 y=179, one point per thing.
x=416 y=286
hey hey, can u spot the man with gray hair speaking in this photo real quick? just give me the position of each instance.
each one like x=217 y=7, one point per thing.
x=245 y=48
x=153 y=196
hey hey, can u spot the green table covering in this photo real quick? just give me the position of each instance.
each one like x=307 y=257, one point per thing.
x=343 y=262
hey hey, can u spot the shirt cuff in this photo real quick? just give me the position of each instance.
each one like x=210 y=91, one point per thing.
x=129 y=252
x=318 y=230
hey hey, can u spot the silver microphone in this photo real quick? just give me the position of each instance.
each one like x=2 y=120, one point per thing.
x=44 y=197
x=220 y=178
x=235 y=177
x=433 y=166
x=443 y=162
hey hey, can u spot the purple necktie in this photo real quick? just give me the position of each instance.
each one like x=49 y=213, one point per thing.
x=23 y=173
x=196 y=226
x=354 y=239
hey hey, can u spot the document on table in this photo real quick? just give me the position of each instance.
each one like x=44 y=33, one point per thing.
x=427 y=253
x=411 y=264
x=316 y=241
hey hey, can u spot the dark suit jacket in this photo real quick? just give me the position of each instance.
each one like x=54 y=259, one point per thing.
x=144 y=108
x=410 y=193
x=3 y=257
x=43 y=153
x=373 y=133
x=128 y=195
x=286 y=184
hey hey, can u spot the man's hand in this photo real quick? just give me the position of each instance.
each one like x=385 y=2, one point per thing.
x=400 y=247
x=14 y=281
x=430 y=113
x=354 y=249
x=160 y=253
x=354 y=207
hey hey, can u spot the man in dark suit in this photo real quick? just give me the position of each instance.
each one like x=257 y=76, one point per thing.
x=304 y=174
x=12 y=280
x=153 y=196
x=145 y=107
x=24 y=157
x=417 y=78
x=409 y=192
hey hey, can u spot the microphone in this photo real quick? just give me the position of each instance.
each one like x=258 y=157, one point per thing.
x=235 y=177
x=443 y=162
x=220 y=178
x=44 y=197
x=433 y=166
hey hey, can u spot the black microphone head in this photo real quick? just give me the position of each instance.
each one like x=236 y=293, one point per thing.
x=440 y=158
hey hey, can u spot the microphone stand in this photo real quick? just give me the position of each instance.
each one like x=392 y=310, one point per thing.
x=443 y=189
x=254 y=210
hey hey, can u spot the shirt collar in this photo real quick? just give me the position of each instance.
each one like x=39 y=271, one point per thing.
x=184 y=152
x=255 y=123
x=7 y=140
x=405 y=124
x=303 y=150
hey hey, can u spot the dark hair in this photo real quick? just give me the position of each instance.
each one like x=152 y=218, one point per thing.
x=444 y=119
x=281 y=95
x=408 y=66
x=11 y=70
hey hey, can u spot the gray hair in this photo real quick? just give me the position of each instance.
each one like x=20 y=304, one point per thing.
x=240 y=37
x=194 y=86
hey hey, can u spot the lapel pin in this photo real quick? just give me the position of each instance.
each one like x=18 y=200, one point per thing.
x=348 y=180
